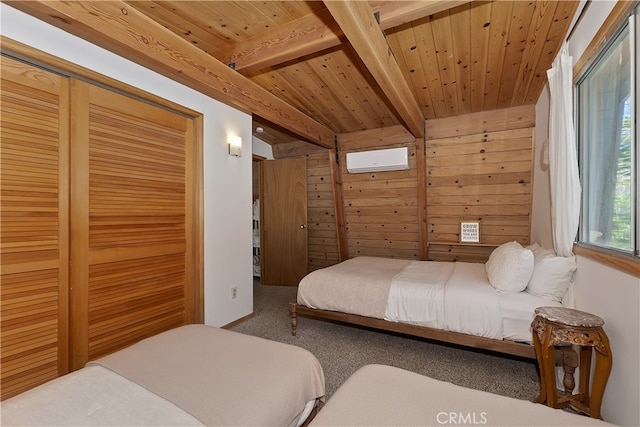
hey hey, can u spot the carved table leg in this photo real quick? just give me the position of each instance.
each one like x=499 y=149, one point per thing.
x=542 y=397
x=294 y=318
x=548 y=368
x=569 y=365
x=601 y=374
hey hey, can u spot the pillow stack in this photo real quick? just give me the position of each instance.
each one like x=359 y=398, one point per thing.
x=551 y=274
x=538 y=271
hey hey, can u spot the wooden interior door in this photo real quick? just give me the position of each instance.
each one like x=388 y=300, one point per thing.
x=131 y=221
x=34 y=248
x=284 y=221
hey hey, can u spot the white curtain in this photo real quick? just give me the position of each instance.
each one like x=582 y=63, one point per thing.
x=563 y=160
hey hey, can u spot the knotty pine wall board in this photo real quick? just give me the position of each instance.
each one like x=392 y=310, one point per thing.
x=479 y=168
x=381 y=208
x=321 y=218
x=465 y=253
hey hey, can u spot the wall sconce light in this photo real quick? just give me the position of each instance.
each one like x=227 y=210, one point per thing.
x=235 y=145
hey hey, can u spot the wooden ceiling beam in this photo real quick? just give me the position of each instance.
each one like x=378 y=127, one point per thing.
x=304 y=36
x=120 y=28
x=317 y=32
x=395 y=13
x=359 y=25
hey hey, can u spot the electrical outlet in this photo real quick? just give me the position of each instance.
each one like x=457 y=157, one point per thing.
x=234 y=292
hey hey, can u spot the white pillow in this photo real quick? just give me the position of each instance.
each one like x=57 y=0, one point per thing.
x=551 y=277
x=509 y=267
x=539 y=252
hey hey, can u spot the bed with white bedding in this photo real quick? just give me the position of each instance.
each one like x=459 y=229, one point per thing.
x=388 y=396
x=458 y=302
x=192 y=375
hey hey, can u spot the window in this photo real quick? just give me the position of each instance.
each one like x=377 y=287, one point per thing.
x=607 y=120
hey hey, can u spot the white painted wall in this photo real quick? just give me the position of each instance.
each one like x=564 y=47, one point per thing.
x=227 y=180
x=262 y=149
x=541 y=203
x=599 y=289
x=615 y=296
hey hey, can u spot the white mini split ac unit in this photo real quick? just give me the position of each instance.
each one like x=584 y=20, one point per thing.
x=390 y=159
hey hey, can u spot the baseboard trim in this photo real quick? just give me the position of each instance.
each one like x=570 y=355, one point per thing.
x=240 y=320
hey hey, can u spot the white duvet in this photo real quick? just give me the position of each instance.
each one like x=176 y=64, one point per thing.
x=416 y=294
x=472 y=305
x=444 y=295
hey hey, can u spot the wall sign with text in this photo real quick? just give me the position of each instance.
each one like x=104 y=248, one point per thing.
x=469 y=231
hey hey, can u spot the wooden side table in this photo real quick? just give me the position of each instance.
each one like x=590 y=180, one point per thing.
x=554 y=326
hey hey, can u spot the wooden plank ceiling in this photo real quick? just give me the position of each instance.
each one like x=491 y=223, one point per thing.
x=343 y=72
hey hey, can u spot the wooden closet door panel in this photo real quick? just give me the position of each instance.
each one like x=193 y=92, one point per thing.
x=130 y=221
x=33 y=231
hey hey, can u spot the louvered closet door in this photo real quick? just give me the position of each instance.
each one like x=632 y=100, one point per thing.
x=130 y=222
x=34 y=164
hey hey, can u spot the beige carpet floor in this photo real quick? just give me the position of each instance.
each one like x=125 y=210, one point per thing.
x=342 y=349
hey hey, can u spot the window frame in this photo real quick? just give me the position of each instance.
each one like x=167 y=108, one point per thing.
x=615 y=23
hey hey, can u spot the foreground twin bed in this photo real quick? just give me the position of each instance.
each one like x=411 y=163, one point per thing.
x=387 y=396
x=192 y=375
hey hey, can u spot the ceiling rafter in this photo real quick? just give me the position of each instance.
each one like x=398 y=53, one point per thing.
x=359 y=25
x=125 y=31
x=395 y=13
x=309 y=34
x=316 y=32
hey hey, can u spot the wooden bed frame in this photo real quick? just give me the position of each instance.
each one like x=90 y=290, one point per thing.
x=500 y=346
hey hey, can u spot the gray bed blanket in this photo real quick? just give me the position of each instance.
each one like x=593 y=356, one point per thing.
x=223 y=377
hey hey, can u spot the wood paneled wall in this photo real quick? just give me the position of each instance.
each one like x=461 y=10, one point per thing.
x=381 y=208
x=321 y=213
x=479 y=168
x=476 y=167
